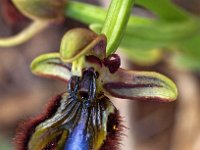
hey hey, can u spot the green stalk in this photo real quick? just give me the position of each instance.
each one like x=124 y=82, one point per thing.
x=115 y=23
x=35 y=28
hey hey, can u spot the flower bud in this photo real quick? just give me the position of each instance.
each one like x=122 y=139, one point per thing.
x=41 y=9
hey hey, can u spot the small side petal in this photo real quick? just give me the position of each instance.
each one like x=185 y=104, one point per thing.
x=138 y=85
x=51 y=66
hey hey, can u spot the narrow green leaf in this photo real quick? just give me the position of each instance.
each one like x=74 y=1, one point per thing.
x=115 y=23
x=51 y=66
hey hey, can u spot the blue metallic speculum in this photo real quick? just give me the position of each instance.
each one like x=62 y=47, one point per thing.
x=80 y=122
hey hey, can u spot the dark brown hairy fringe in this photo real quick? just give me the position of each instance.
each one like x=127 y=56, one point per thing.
x=27 y=128
x=114 y=132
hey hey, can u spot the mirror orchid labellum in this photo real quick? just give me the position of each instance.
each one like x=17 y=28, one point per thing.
x=83 y=117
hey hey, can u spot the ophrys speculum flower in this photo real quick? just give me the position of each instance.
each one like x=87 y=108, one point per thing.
x=83 y=117
x=80 y=121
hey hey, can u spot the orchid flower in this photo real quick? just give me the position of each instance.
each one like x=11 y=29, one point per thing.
x=83 y=117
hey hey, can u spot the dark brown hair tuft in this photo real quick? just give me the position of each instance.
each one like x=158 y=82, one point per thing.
x=114 y=132
x=27 y=128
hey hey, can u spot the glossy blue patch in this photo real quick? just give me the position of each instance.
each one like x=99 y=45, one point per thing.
x=79 y=139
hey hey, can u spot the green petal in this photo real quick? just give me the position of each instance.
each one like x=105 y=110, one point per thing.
x=138 y=85
x=51 y=66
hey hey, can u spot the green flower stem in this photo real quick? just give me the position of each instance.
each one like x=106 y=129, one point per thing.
x=165 y=9
x=115 y=23
x=25 y=35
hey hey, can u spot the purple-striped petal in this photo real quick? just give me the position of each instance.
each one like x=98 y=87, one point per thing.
x=51 y=66
x=137 y=85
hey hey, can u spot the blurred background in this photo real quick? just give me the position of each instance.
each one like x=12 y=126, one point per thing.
x=150 y=126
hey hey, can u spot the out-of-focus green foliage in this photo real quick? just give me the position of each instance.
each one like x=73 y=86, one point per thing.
x=185 y=62
x=188 y=46
x=171 y=29
x=165 y=9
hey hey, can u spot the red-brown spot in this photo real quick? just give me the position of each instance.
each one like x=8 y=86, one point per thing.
x=93 y=59
x=113 y=62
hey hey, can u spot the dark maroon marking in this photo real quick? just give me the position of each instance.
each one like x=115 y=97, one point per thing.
x=60 y=64
x=93 y=59
x=148 y=78
x=56 y=77
x=27 y=128
x=142 y=98
x=120 y=85
x=100 y=49
x=113 y=137
x=113 y=62
x=110 y=86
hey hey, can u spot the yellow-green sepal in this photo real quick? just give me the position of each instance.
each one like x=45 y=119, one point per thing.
x=51 y=66
x=140 y=85
x=78 y=42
